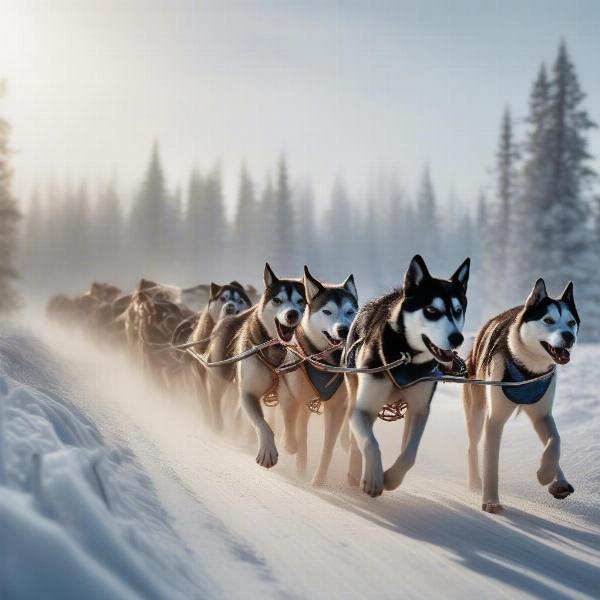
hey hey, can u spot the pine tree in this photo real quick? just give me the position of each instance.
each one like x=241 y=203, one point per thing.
x=529 y=233
x=338 y=227
x=109 y=242
x=571 y=249
x=285 y=226
x=245 y=243
x=428 y=243
x=506 y=171
x=148 y=220
x=9 y=220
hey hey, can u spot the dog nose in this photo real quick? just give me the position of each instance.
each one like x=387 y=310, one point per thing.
x=229 y=309
x=292 y=316
x=569 y=338
x=456 y=339
x=342 y=332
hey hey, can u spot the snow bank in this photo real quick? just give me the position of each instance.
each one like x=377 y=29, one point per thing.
x=78 y=516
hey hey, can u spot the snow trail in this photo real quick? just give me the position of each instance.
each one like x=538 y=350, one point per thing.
x=245 y=532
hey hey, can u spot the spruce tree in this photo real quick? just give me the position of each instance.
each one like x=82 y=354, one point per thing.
x=246 y=234
x=284 y=236
x=148 y=220
x=428 y=243
x=9 y=220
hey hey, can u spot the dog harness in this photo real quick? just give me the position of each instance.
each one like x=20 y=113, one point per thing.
x=528 y=393
x=324 y=384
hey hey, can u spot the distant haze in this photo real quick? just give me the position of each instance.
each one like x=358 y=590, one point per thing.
x=344 y=89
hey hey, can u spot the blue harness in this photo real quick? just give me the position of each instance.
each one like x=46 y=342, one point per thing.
x=325 y=384
x=403 y=375
x=528 y=393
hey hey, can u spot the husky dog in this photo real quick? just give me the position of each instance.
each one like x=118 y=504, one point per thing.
x=424 y=319
x=329 y=313
x=224 y=300
x=277 y=314
x=519 y=344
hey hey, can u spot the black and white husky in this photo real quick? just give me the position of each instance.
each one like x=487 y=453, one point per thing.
x=519 y=344
x=327 y=319
x=423 y=319
x=224 y=300
x=277 y=314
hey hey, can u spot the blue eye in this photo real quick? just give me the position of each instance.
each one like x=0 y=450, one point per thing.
x=549 y=321
x=276 y=300
x=326 y=312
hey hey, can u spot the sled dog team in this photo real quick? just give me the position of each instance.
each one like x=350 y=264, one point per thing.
x=422 y=320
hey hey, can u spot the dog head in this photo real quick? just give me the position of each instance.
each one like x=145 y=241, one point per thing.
x=282 y=305
x=330 y=310
x=228 y=299
x=432 y=311
x=548 y=327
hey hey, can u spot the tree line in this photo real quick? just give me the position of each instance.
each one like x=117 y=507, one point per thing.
x=541 y=218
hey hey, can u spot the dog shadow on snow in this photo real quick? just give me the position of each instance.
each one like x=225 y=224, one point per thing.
x=518 y=548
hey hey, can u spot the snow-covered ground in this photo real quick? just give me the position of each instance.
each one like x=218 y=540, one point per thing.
x=110 y=490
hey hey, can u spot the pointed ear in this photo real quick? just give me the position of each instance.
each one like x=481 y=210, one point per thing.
x=461 y=275
x=415 y=274
x=312 y=286
x=214 y=291
x=269 y=277
x=143 y=297
x=538 y=293
x=567 y=295
x=350 y=286
x=236 y=284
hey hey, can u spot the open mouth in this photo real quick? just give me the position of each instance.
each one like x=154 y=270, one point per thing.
x=560 y=356
x=284 y=332
x=331 y=339
x=442 y=356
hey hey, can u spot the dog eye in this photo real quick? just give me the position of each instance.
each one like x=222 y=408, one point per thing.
x=549 y=321
x=432 y=311
x=300 y=302
x=276 y=300
x=349 y=313
x=458 y=311
x=326 y=312
x=572 y=323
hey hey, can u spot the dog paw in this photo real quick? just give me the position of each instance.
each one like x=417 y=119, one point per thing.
x=493 y=508
x=318 y=482
x=372 y=484
x=267 y=456
x=560 y=489
x=545 y=474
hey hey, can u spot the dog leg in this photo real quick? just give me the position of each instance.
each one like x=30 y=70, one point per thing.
x=354 y=462
x=267 y=452
x=416 y=420
x=289 y=409
x=372 y=394
x=550 y=471
x=216 y=389
x=474 y=404
x=302 y=437
x=499 y=410
x=334 y=413
x=345 y=434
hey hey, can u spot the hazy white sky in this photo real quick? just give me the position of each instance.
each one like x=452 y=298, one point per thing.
x=343 y=88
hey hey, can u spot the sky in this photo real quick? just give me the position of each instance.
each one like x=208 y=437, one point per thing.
x=346 y=90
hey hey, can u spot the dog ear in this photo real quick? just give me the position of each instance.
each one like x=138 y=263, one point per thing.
x=461 y=275
x=538 y=293
x=269 y=277
x=145 y=284
x=236 y=284
x=144 y=297
x=215 y=288
x=415 y=274
x=312 y=286
x=567 y=295
x=350 y=286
